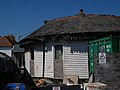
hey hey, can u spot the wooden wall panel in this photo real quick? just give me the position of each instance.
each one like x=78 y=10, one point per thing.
x=76 y=59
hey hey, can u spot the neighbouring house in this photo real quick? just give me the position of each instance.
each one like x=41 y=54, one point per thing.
x=59 y=48
x=7 y=44
x=10 y=47
x=11 y=61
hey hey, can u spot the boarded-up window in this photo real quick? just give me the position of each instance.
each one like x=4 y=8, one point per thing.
x=32 y=53
x=58 y=51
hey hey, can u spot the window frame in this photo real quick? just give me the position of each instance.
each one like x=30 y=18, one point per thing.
x=58 y=51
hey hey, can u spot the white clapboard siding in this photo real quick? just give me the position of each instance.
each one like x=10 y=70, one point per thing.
x=76 y=59
x=27 y=61
x=38 y=62
x=6 y=50
x=49 y=71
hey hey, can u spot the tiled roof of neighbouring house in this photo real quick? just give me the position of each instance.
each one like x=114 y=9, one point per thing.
x=7 y=41
x=79 y=23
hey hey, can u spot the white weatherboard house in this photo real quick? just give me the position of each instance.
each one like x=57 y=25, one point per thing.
x=59 y=47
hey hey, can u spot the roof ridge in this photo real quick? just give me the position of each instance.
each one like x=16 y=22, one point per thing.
x=75 y=16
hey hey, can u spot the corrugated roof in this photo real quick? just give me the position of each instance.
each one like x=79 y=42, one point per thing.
x=78 y=24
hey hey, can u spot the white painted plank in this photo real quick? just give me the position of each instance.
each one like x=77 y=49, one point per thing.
x=76 y=63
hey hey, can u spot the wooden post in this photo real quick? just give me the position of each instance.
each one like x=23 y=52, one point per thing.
x=43 y=59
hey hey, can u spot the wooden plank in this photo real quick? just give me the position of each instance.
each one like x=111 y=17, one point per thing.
x=76 y=62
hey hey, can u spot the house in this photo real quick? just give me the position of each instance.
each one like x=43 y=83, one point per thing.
x=59 y=48
x=7 y=44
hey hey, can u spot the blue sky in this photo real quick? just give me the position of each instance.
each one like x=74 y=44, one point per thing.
x=22 y=17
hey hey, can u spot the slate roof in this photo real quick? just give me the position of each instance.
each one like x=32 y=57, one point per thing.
x=79 y=23
x=18 y=49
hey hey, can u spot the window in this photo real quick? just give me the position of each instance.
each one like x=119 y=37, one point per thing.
x=32 y=53
x=58 y=51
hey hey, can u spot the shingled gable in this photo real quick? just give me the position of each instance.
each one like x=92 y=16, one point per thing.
x=78 y=24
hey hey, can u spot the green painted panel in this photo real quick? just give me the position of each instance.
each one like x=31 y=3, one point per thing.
x=119 y=44
x=115 y=45
x=107 y=45
x=90 y=66
x=90 y=51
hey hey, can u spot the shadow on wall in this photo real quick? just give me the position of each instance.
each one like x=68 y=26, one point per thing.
x=48 y=48
x=78 y=47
